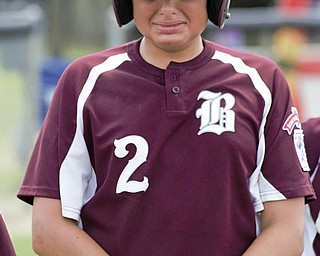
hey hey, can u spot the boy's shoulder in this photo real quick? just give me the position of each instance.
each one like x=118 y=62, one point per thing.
x=251 y=59
x=87 y=62
x=311 y=128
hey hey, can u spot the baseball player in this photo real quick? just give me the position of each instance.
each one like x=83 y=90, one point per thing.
x=6 y=247
x=169 y=145
x=312 y=222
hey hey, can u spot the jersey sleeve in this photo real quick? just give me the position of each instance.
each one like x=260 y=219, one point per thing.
x=54 y=140
x=285 y=164
x=6 y=245
x=311 y=129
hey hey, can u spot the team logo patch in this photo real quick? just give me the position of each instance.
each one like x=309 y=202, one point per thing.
x=216 y=112
x=300 y=148
x=292 y=121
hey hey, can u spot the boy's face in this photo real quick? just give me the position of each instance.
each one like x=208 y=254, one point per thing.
x=171 y=25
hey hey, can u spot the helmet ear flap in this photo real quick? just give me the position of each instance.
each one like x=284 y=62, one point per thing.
x=218 y=11
x=123 y=10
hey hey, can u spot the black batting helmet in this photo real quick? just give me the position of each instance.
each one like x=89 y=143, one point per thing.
x=218 y=11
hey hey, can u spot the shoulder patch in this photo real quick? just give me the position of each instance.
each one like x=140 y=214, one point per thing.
x=292 y=121
x=298 y=138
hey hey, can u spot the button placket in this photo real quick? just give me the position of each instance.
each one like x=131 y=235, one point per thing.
x=175 y=101
x=175 y=88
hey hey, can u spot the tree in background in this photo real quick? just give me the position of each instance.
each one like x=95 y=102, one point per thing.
x=75 y=22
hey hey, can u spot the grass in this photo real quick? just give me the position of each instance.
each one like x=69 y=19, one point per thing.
x=12 y=105
x=23 y=246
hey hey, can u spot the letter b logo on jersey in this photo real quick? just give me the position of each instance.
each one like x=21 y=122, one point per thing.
x=215 y=116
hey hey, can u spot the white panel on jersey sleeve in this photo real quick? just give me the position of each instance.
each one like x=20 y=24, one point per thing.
x=77 y=177
x=315 y=171
x=310 y=232
x=260 y=189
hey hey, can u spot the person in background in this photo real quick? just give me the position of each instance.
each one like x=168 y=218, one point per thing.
x=312 y=220
x=6 y=246
x=169 y=145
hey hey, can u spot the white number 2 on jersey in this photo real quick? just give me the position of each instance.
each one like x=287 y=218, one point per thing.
x=132 y=186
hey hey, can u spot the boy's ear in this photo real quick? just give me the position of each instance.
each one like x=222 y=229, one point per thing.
x=218 y=11
x=123 y=10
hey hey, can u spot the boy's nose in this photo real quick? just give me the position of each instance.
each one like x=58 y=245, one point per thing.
x=168 y=7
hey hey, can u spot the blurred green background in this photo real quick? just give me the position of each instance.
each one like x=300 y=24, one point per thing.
x=11 y=110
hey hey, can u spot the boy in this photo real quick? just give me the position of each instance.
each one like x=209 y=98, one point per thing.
x=312 y=142
x=169 y=145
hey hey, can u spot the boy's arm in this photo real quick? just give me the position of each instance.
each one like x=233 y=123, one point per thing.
x=282 y=229
x=54 y=235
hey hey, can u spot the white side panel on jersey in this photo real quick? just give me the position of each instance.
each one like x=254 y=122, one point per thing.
x=260 y=188
x=77 y=177
x=310 y=232
x=315 y=171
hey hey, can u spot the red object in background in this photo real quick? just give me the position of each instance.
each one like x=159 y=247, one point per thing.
x=294 y=7
x=311 y=66
x=288 y=4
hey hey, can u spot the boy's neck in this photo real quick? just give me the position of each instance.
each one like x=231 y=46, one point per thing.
x=161 y=58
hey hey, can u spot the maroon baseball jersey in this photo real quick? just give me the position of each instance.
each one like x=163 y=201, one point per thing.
x=169 y=162
x=312 y=142
x=6 y=247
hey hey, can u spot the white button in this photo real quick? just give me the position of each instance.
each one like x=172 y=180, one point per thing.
x=175 y=89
